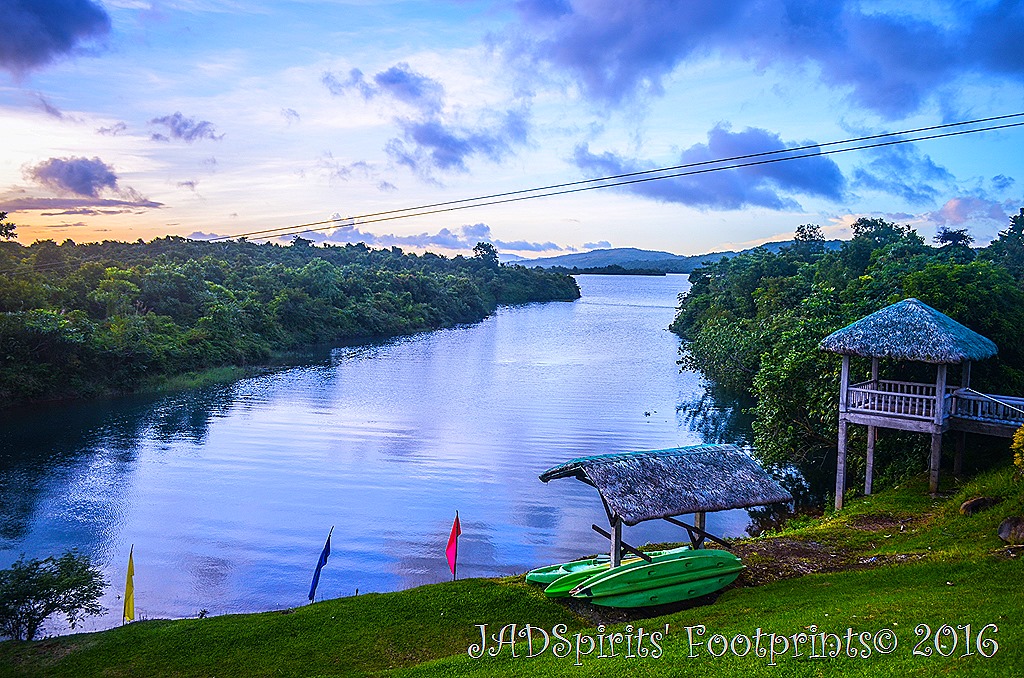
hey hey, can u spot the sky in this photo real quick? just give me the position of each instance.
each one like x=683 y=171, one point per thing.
x=128 y=119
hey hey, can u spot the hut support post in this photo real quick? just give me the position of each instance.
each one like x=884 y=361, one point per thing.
x=958 y=458
x=965 y=374
x=933 y=463
x=844 y=384
x=940 y=395
x=841 y=465
x=616 y=553
x=700 y=522
x=870 y=471
x=874 y=373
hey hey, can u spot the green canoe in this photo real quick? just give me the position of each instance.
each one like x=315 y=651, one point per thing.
x=563 y=586
x=548 y=574
x=680 y=576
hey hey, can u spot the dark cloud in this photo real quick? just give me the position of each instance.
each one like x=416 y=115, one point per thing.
x=78 y=176
x=461 y=238
x=888 y=61
x=49 y=108
x=768 y=185
x=113 y=130
x=431 y=144
x=35 y=32
x=77 y=205
x=186 y=129
x=903 y=171
x=399 y=83
x=1001 y=182
x=429 y=140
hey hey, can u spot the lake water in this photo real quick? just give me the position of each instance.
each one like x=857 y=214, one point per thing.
x=228 y=492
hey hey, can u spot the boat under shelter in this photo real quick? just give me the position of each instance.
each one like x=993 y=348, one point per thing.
x=662 y=484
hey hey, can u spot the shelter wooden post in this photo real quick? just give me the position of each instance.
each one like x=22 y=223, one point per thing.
x=844 y=385
x=933 y=463
x=841 y=465
x=700 y=522
x=616 y=553
x=965 y=374
x=958 y=458
x=870 y=470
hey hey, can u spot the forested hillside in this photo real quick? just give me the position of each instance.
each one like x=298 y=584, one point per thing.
x=753 y=324
x=79 y=320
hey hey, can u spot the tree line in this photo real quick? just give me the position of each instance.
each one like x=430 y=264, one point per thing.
x=82 y=320
x=752 y=324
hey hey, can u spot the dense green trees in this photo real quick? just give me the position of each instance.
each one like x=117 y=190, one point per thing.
x=753 y=324
x=86 y=319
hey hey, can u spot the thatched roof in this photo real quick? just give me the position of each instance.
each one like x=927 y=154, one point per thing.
x=910 y=330
x=639 y=486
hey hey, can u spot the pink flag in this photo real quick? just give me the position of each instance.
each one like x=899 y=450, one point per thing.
x=453 y=544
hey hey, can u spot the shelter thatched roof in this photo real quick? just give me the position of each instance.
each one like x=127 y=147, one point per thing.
x=910 y=330
x=639 y=486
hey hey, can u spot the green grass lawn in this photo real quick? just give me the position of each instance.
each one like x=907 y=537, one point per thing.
x=911 y=562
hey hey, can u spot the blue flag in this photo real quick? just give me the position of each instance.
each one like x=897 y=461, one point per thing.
x=320 y=565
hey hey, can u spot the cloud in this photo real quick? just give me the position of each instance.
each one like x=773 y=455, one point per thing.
x=75 y=175
x=430 y=140
x=49 y=108
x=462 y=238
x=38 y=31
x=768 y=185
x=290 y=115
x=431 y=144
x=903 y=171
x=77 y=205
x=186 y=129
x=967 y=210
x=86 y=180
x=888 y=61
x=113 y=130
x=599 y=245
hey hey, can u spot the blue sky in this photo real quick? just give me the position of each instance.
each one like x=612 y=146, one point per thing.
x=127 y=119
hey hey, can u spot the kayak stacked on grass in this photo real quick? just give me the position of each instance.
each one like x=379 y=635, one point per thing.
x=671 y=576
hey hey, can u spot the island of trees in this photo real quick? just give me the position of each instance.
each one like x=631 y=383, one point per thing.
x=753 y=324
x=83 y=320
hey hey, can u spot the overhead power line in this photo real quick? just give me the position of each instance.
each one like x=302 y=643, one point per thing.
x=657 y=174
x=625 y=179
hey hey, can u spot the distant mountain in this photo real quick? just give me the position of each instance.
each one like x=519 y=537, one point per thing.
x=631 y=257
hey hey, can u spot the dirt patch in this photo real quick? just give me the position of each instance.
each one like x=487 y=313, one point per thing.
x=879 y=522
x=769 y=560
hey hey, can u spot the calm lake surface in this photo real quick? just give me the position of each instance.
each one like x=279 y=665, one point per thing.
x=227 y=493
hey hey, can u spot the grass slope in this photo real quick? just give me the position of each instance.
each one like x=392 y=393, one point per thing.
x=906 y=560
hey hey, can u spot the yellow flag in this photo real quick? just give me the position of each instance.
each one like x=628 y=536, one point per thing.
x=129 y=589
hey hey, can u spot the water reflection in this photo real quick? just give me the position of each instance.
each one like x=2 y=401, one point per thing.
x=228 y=492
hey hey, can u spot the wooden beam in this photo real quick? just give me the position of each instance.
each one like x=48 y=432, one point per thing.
x=844 y=384
x=700 y=531
x=940 y=394
x=841 y=464
x=625 y=546
x=894 y=422
x=965 y=374
x=874 y=373
x=870 y=470
x=958 y=458
x=616 y=538
x=933 y=463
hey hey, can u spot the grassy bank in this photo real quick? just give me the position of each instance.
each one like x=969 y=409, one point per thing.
x=881 y=567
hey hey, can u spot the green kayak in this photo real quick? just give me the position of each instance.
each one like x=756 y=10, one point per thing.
x=548 y=574
x=681 y=576
x=563 y=586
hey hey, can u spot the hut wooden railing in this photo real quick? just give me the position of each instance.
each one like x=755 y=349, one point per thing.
x=970 y=404
x=908 y=399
